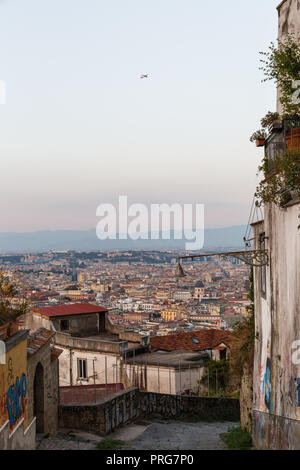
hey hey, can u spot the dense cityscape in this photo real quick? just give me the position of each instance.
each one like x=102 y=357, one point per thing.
x=139 y=289
x=143 y=311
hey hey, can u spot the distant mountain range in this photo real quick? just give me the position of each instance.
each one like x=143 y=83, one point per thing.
x=87 y=240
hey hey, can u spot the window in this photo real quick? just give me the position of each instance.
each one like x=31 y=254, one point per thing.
x=64 y=325
x=82 y=368
x=263 y=269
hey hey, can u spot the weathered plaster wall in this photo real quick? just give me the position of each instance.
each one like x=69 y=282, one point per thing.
x=103 y=418
x=14 y=383
x=20 y=438
x=51 y=387
x=246 y=399
x=96 y=361
x=33 y=322
x=163 y=379
x=79 y=325
x=127 y=406
x=289 y=13
x=277 y=327
x=17 y=429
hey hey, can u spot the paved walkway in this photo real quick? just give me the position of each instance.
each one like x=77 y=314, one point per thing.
x=68 y=440
x=176 y=435
x=146 y=435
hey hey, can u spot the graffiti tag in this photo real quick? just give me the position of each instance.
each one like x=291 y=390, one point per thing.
x=267 y=387
x=16 y=399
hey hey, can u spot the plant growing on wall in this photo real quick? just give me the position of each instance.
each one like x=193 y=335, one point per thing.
x=283 y=183
x=242 y=341
x=217 y=377
x=282 y=64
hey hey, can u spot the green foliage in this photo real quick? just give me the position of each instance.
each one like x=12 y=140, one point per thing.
x=10 y=306
x=217 y=377
x=282 y=64
x=285 y=175
x=269 y=119
x=110 y=444
x=237 y=438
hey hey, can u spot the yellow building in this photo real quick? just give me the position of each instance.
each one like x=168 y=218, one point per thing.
x=172 y=313
x=15 y=430
x=83 y=277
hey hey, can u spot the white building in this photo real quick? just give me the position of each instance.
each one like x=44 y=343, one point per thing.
x=276 y=398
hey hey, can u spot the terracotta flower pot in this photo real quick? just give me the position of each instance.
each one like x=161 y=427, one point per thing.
x=260 y=142
x=293 y=139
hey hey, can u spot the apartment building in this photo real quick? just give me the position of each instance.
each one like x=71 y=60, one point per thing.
x=92 y=346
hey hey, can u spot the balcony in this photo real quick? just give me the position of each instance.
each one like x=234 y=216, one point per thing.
x=283 y=137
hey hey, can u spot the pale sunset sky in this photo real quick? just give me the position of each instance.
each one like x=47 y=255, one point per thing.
x=80 y=128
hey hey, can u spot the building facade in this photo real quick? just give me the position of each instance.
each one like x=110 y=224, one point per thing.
x=17 y=431
x=276 y=386
x=92 y=347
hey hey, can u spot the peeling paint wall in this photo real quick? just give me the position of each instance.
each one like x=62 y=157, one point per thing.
x=17 y=427
x=50 y=388
x=105 y=367
x=277 y=323
x=288 y=14
x=164 y=379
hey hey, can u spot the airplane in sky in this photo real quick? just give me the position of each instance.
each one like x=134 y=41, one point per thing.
x=146 y=75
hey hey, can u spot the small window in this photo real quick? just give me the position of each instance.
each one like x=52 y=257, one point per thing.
x=82 y=368
x=195 y=340
x=64 y=325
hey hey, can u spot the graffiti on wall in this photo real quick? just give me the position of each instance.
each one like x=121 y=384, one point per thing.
x=267 y=386
x=16 y=399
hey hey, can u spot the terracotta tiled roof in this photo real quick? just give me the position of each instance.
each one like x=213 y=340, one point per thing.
x=9 y=329
x=69 y=309
x=37 y=340
x=205 y=339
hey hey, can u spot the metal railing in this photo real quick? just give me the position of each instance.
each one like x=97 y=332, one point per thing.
x=172 y=379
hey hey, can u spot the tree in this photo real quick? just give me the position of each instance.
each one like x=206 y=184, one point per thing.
x=11 y=307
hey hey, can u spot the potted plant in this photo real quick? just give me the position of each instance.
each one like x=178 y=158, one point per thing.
x=282 y=65
x=259 y=137
x=271 y=121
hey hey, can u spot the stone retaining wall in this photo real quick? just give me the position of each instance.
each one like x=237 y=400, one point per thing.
x=127 y=406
